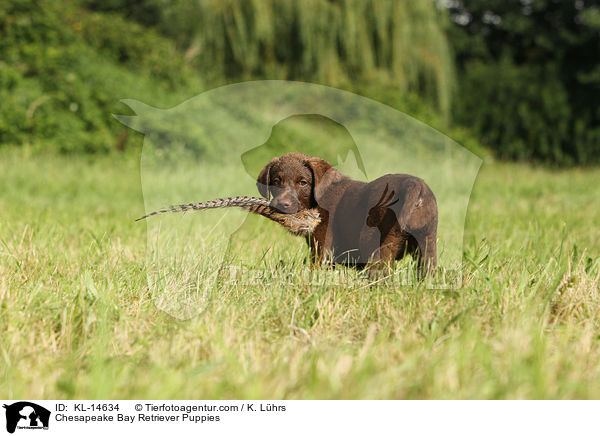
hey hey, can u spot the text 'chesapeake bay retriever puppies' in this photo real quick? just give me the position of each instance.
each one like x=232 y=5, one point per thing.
x=361 y=223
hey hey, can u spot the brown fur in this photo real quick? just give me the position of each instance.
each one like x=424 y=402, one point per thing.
x=361 y=223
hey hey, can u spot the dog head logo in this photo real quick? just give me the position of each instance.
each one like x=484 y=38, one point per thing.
x=215 y=144
x=311 y=134
x=26 y=415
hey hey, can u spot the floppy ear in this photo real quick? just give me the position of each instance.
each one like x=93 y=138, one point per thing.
x=262 y=183
x=323 y=176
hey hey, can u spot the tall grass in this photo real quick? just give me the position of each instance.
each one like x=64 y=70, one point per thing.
x=78 y=321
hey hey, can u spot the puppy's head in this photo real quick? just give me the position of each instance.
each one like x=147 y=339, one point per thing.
x=292 y=181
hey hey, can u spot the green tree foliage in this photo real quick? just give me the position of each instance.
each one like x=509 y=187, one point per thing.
x=63 y=70
x=337 y=42
x=65 y=65
x=530 y=77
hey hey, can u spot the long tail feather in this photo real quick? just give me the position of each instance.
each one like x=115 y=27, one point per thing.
x=239 y=201
x=300 y=223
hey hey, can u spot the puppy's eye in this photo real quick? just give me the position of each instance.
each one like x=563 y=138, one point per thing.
x=276 y=181
x=302 y=182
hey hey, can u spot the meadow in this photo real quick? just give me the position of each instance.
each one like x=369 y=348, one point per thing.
x=78 y=319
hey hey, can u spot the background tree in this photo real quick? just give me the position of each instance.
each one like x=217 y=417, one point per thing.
x=64 y=65
x=529 y=76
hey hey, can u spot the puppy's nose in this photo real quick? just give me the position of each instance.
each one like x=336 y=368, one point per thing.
x=284 y=206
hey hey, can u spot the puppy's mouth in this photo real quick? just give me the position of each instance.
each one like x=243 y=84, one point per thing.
x=291 y=209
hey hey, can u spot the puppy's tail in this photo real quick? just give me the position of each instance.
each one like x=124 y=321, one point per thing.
x=300 y=223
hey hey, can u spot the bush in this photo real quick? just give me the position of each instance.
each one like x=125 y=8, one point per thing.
x=519 y=112
x=529 y=77
x=64 y=69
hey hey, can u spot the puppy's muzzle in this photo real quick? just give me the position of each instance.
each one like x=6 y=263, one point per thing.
x=286 y=203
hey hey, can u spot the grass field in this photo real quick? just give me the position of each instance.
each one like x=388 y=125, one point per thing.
x=77 y=319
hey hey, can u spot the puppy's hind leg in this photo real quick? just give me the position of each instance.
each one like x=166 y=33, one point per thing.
x=427 y=255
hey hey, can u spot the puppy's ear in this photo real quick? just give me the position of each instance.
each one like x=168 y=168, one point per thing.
x=324 y=175
x=262 y=183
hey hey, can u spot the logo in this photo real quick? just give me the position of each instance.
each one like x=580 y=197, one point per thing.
x=239 y=129
x=26 y=415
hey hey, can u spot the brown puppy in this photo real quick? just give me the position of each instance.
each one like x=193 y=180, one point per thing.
x=361 y=223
